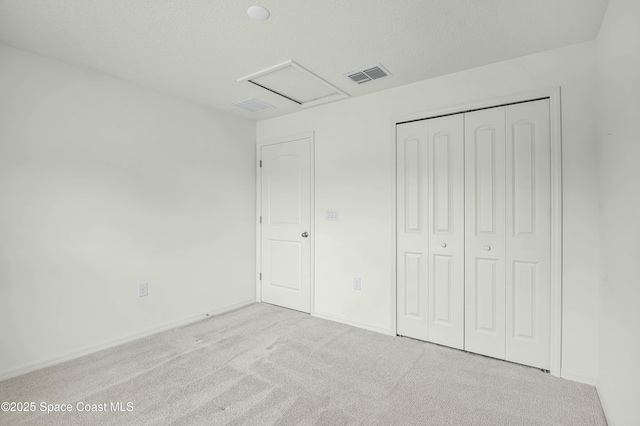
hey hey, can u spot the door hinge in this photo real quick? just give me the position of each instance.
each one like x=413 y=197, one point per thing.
x=260 y=219
x=260 y=276
x=260 y=163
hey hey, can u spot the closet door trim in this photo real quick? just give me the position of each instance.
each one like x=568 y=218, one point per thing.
x=553 y=94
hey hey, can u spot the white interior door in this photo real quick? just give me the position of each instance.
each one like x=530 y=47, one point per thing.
x=286 y=220
x=485 y=232
x=446 y=230
x=412 y=230
x=528 y=233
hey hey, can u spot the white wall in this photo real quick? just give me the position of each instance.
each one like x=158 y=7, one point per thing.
x=103 y=186
x=354 y=173
x=618 y=48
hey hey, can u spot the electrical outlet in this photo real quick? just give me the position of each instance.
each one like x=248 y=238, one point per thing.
x=143 y=290
x=357 y=283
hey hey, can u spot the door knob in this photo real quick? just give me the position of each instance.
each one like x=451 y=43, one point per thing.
x=444 y=245
x=487 y=248
x=305 y=234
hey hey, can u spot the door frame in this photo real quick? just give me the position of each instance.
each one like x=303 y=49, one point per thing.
x=312 y=239
x=555 y=126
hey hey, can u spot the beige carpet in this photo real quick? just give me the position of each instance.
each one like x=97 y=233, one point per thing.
x=264 y=365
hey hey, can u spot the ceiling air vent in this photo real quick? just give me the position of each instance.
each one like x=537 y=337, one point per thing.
x=371 y=73
x=253 y=105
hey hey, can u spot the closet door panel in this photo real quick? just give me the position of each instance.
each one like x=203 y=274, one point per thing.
x=446 y=230
x=485 y=232
x=412 y=230
x=528 y=233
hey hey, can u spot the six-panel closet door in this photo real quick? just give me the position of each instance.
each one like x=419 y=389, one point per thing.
x=430 y=230
x=474 y=231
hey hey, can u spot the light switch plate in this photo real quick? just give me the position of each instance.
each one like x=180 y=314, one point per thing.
x=357 y=283
x=143 y=290
x=333 y=214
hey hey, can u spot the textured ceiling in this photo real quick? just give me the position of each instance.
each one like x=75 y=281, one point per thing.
x=197 y=49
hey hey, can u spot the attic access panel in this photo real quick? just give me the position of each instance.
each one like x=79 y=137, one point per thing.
x=293 y=82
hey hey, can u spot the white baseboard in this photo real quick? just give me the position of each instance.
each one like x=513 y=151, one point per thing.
x=578 y=377
x=37 y=365
x=342 y=320
x=605 y=406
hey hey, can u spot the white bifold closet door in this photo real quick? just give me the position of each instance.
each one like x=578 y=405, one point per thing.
x=484 y=232
x=430 y=230
x=474 y=231
x=508 y=233
x=528 y=234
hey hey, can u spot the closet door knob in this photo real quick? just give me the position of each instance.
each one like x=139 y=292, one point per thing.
x=305 y=234
x=444 y=245
x=487 y=248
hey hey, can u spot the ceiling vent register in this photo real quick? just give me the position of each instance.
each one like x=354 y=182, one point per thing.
x=371 y=73
x=291 y=81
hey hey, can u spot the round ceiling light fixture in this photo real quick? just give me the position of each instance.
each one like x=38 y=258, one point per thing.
x=258 y=12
